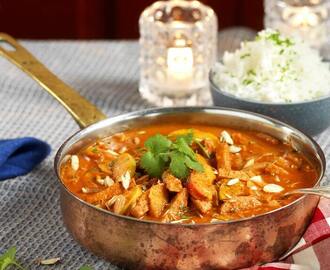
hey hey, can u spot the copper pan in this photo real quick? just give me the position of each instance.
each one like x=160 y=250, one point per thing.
x=137 y=244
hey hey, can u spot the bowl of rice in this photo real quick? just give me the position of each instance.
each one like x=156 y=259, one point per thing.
x=276 y=76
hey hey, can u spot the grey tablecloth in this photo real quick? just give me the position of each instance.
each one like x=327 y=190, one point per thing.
x=104 y=72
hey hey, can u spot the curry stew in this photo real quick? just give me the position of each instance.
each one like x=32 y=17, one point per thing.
x=187 y=174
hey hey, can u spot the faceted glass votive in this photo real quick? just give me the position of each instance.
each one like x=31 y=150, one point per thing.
x=178 y=45
x=308 y=20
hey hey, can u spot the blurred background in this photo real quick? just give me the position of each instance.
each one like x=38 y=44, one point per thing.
x=105 y=19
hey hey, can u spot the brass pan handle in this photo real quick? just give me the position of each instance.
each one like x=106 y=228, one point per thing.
x=81 y=110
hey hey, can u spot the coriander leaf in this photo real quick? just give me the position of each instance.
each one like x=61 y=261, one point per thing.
x=8 y=258
x=193 y=164
x=85 y=267
x=157 y=144
x=188 y=137
x=177 y=165
x=153 y=164
x=182 y=146
x=10 y=253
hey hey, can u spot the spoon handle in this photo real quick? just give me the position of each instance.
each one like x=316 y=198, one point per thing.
x=320 y=191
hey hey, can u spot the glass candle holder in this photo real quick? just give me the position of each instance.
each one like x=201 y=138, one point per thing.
x=178 y=42
x=308 y=20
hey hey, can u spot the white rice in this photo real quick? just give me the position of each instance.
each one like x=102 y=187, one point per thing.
x=273 y=69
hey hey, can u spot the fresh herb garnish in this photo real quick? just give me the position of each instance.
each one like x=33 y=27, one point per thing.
x=8 y=259
x=162 y=153
x=251 y=72
x=276 y=37
x=95 y=150
x=245 y=55
x=247 y=81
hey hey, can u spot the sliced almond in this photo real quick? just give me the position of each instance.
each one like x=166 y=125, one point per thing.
x=122 y=150
x=108 y=181
x=119 y=204
x=213 y=220
x=225 y=137
x=257 y=179
x=232 y=181
x=249 y=163
x=179 y=220
x=111 y=152
x=50 y=261
x=74 y=162
x=234 y=149
x=251 y=185
x=136 y=140
x=66 y=158
x=273 y=188
x=87 y=190
x=126 y=180
x=141 y=132
x=109 y=203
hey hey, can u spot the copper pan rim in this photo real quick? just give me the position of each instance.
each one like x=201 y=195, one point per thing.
x=206 y=109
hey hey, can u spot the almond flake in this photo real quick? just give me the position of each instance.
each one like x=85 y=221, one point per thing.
x=108 y=181
x=249 y=163
x=273 y=188
x=234 y=149
x=75 y=162
x=141 y=132
x=225 y=137
x=109 y=203
x=251 y=185
x=122 y=150
x=119 y=204
x=66 y=158
x=257 y=179
x=232 y=182
x=87 y=190
x=100 y=180
x=179 y=220
x=213 y=220
x=50 y=261
x=112 y=152
x=136 y=140
x=125 y=180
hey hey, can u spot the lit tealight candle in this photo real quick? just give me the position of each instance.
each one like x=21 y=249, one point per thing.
x=179 y=67
x=177 y=50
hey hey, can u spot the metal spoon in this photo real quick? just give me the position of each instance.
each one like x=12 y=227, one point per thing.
x=323 y=191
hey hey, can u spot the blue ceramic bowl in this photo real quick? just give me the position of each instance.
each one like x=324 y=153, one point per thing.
x=311 y=117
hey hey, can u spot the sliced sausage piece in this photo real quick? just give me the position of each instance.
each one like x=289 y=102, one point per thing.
x=172 y=183
x=157 y=199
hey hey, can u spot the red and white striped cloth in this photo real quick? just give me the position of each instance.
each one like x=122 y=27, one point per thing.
x=313 y=250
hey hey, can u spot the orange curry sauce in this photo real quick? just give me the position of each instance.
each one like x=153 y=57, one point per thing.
x=242 y=178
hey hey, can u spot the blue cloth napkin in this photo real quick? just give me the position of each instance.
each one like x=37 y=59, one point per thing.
x=20 y=156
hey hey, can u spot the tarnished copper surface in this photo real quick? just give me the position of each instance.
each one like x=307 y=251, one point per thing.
x=137 y=244
x=145 y=245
